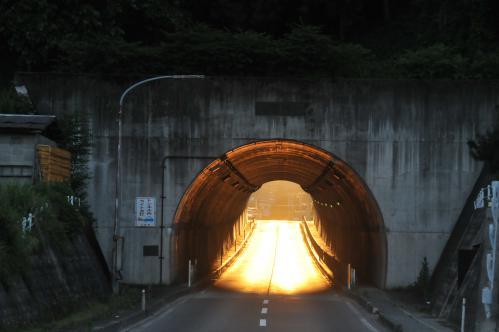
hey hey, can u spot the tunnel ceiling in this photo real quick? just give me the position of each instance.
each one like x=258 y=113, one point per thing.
x=228 y=181
x=343 y=203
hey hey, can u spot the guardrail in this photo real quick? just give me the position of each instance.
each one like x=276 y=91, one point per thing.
x=484 y=197
x=335 y=270
x=229 y=261
x=492 y=200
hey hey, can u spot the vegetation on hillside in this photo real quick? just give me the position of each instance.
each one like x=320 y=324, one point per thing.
x=13 y=103
x=55 y=223
x=71 y=132
x=422 y=284
x=328 y=38
x=486 y=148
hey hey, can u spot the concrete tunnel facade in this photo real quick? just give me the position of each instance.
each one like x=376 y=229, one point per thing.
x=406 y=139
x=346 y=210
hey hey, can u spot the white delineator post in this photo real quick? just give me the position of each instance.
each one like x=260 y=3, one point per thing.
x=143 y=300
x=349 y=277
x=189 y=281
x=488 y=291
x=463 y=314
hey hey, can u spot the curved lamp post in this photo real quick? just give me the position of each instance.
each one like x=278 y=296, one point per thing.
x=118 y=167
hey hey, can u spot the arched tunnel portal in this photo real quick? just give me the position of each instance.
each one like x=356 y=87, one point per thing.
x=345 y=208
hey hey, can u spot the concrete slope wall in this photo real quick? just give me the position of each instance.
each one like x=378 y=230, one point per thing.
x=57 y=282
x=406 y=139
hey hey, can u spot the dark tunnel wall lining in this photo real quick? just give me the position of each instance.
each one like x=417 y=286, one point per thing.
x=346 y=209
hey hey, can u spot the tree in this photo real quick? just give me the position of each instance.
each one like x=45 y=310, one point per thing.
x=422 y=284
x=486 y=148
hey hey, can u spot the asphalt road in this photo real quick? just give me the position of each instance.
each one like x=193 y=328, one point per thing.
x=273 y=286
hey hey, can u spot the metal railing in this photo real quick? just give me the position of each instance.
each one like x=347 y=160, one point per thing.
x=339 y=273
x=489 y=197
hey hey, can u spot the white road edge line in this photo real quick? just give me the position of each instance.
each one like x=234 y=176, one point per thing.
x=265 y=310
x=263 y=322
x=362 y=319
x=146 y=322
x=419 y=320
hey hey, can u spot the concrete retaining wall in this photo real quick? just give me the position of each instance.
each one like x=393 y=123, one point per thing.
x=56 y=283
x=406 y=139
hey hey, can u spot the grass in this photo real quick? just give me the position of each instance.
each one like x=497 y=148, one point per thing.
x=85 y=318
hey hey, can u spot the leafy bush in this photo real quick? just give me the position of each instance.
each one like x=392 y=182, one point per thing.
x=433 y=62
x=485 y=65
x=422 y=284
x=71 y=132
x=217 y=37
x=56 y=222
x=12 y=103
x=353 y=60
x=486 y=148
x=15 y=247
x=304 y=51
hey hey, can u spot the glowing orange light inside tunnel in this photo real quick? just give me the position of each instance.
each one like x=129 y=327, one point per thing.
x=276 y=260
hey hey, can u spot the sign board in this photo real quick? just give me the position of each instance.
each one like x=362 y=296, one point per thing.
x=145 y=211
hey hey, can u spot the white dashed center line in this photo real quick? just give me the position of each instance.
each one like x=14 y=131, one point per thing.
x=264 y=311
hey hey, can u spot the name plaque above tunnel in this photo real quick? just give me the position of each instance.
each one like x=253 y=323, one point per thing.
x=145 y=212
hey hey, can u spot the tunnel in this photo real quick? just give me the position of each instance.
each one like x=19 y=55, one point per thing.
x=346 y=212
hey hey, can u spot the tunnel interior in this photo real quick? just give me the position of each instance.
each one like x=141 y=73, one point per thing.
x=280 y=200
x=214 y=210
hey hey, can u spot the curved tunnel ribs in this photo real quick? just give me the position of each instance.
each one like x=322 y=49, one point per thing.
x=317 y=184
x=347 y=212
x=236 y=178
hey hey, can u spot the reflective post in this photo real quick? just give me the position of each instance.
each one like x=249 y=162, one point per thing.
x=463 y=314
x=349 y=276
x=189 y=281
x=143 y=300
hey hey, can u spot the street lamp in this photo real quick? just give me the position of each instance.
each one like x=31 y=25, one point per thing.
x=118 y=167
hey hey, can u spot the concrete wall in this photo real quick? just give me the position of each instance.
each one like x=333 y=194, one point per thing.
x=406 y=139
x=57 y=282
x=18 y=156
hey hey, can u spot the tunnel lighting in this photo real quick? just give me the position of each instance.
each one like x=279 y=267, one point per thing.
x=215 y=168
x=275 y=259
x=338 y=203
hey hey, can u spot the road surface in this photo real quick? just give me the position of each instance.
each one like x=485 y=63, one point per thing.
x=273 y=286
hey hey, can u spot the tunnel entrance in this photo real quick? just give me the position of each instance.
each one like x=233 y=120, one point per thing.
x=213 y=210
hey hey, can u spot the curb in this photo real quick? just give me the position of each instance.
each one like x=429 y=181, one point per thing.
x=154 y=307
x=138 y=315
x=374 y=310
x=356 y=297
